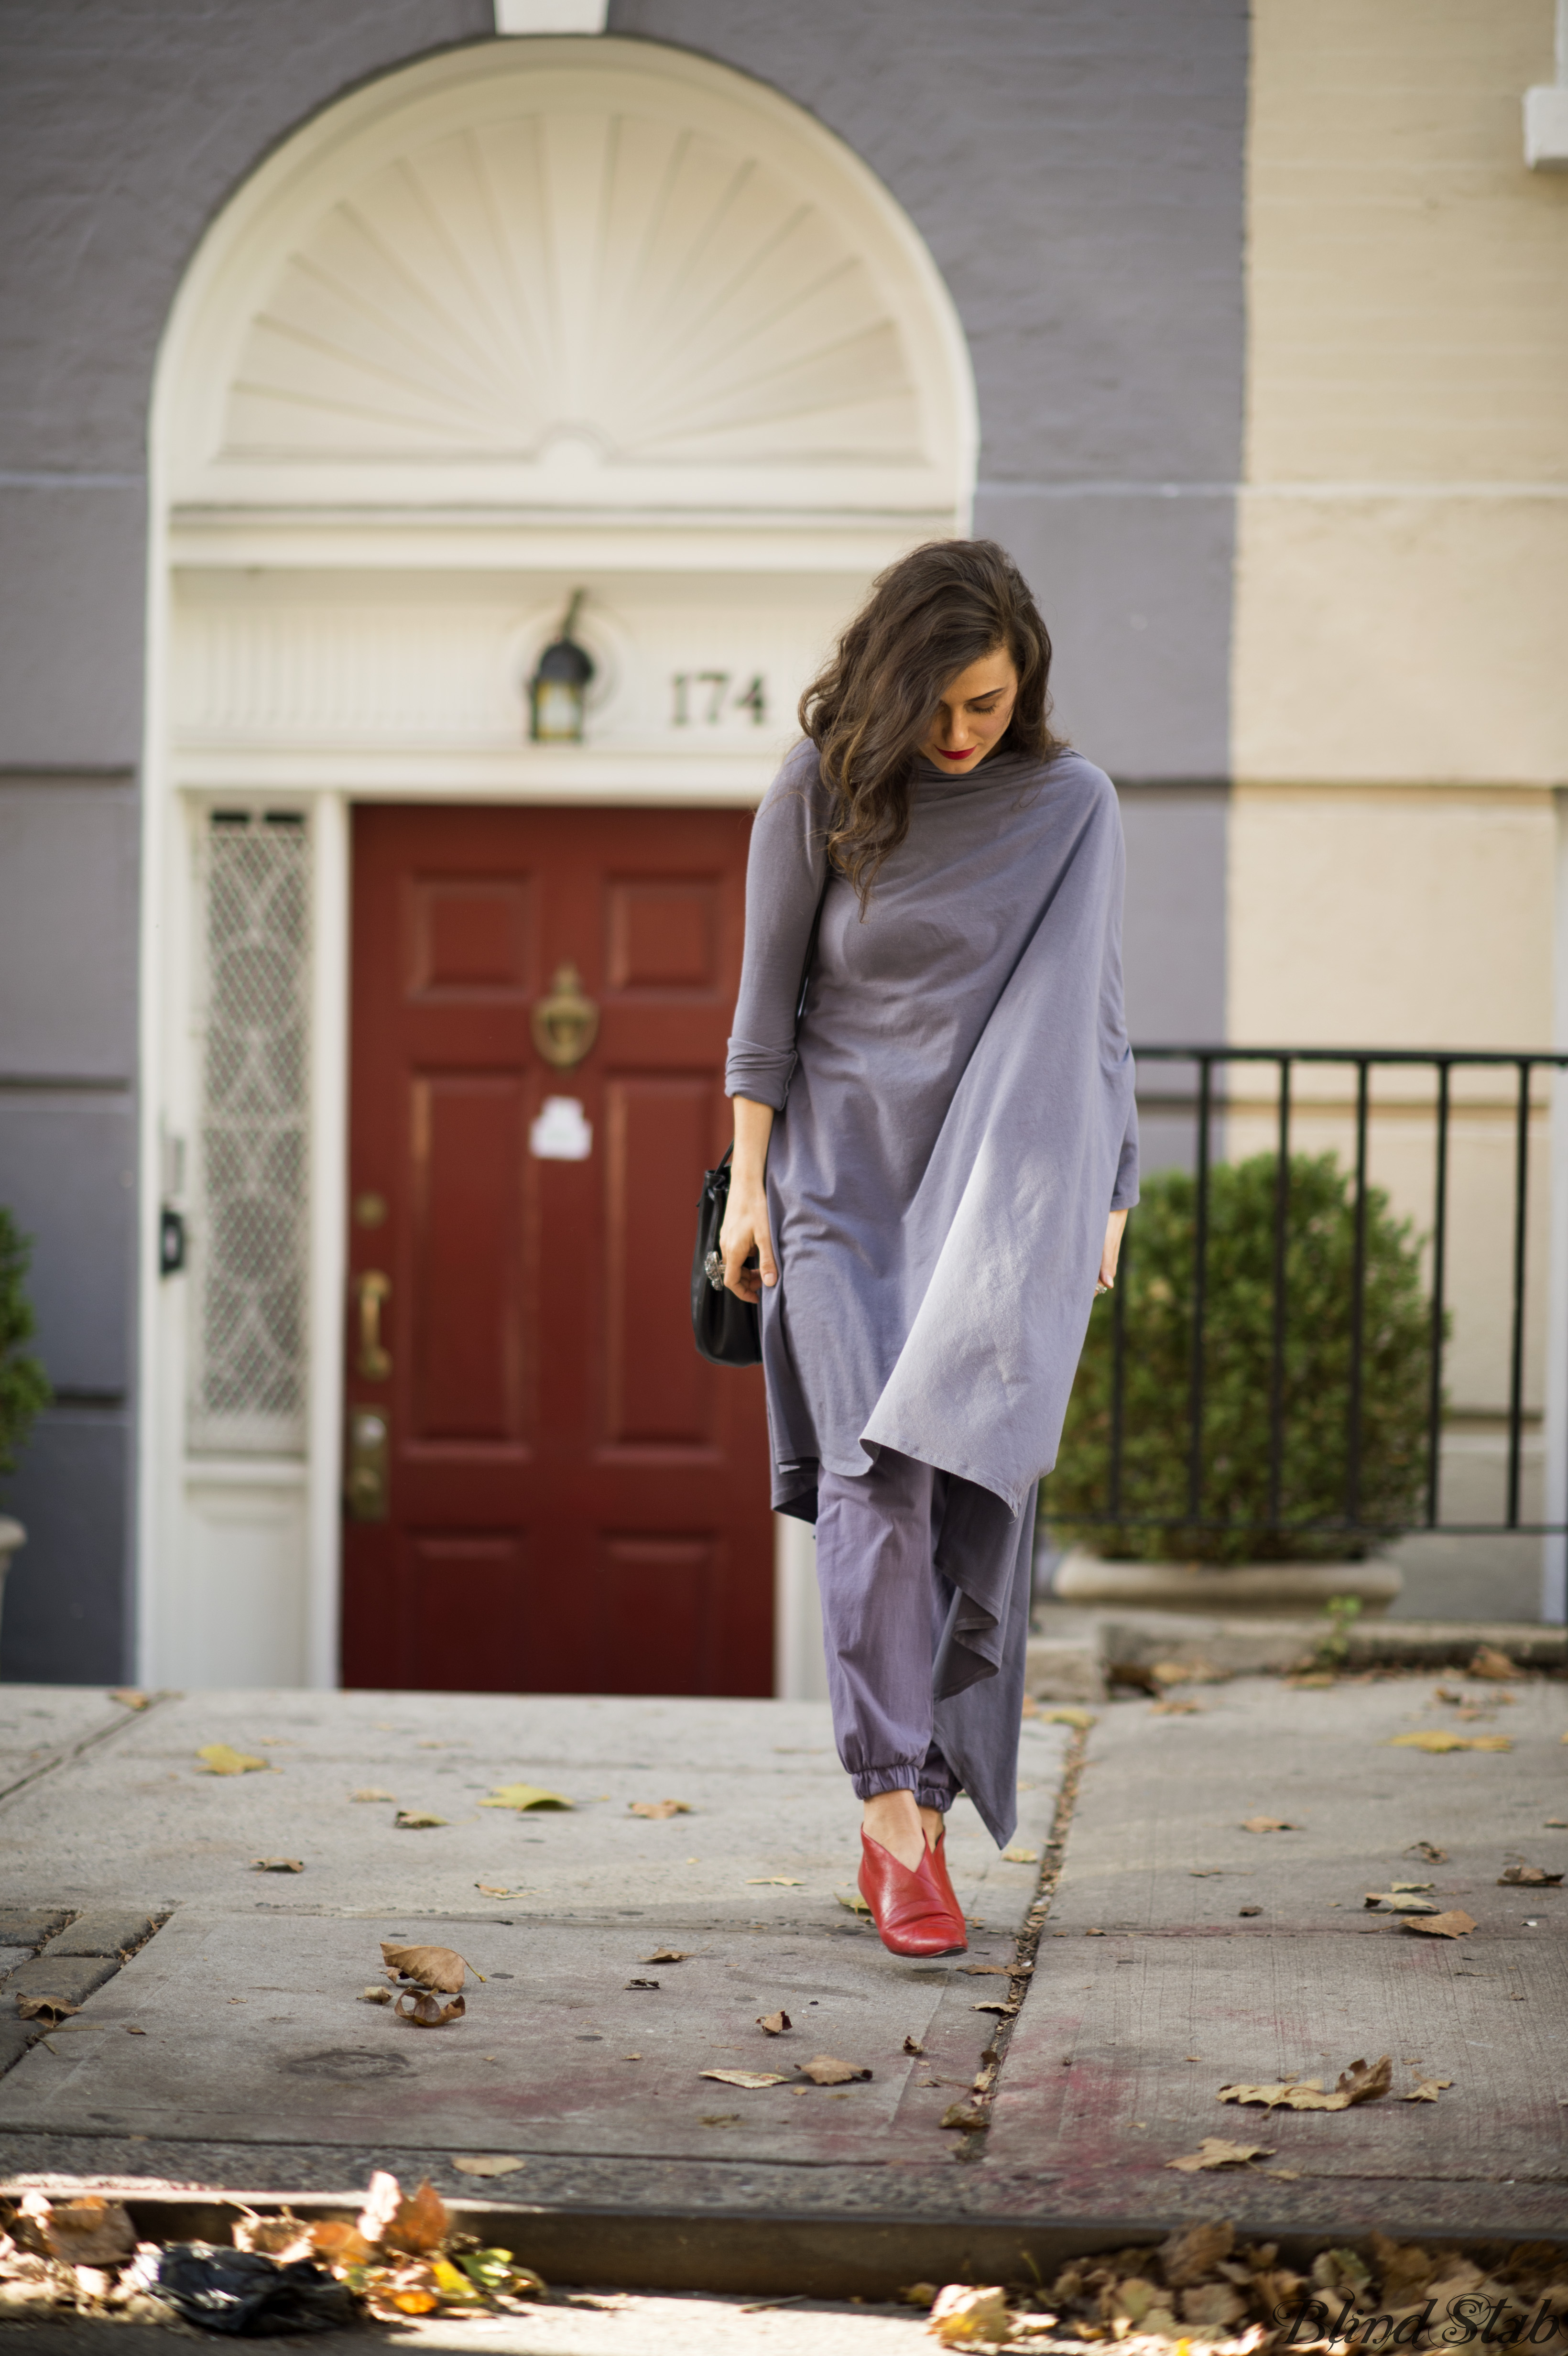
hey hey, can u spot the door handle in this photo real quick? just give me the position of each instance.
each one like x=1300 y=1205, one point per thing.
x=365 y=1476
x=566 y=1022
x=372 y=1289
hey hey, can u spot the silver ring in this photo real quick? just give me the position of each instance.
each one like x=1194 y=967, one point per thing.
x=713 y=1269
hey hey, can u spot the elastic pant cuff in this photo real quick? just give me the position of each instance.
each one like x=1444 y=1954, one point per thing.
x=872 y=1780
x=926 y=1796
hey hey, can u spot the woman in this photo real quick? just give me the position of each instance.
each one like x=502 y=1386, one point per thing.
x=931 y=1176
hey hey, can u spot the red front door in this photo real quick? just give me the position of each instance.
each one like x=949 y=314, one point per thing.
x=549 y=1490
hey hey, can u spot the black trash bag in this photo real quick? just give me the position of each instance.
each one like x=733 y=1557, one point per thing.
x=250 y=2295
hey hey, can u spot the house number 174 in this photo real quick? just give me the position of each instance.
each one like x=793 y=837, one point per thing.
x=704 y=696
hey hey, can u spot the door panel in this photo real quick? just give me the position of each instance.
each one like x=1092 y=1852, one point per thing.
x=577 y=1502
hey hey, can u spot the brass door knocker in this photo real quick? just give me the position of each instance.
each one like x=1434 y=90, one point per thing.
x=566 y=1024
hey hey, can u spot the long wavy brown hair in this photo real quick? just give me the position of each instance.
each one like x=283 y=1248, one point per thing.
x=928 y=617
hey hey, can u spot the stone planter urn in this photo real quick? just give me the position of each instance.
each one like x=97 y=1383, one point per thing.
x=1285 y=1589
x=12 y=1536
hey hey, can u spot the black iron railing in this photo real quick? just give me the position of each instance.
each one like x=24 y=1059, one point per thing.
x=1197 y=1089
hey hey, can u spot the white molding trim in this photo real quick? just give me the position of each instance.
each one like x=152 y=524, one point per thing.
x=513 y=17
x=627 y=276
x=328 y=1261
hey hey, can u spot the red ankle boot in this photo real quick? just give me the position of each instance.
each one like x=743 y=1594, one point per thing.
x=936 y=1857
x=909 y=1909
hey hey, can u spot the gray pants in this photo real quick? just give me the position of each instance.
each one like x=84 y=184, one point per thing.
x=885 y=1611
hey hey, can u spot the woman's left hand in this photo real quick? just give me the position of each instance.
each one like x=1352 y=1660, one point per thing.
x=1113 y=1250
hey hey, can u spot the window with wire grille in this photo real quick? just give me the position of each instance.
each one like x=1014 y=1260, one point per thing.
x=247 y=1386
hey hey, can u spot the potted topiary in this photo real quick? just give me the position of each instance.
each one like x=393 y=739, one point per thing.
x=23 y=1387
x=1143 y=1547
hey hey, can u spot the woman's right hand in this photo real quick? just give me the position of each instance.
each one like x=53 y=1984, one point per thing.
x=746 y=1230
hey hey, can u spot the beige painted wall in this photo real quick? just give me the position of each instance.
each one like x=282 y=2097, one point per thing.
x=1390 y=916
x=1403 y=566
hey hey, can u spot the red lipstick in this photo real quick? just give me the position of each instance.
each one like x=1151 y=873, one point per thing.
x=955 y=756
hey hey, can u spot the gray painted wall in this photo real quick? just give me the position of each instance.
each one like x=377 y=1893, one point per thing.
x=1075 y=166
x=123 y=125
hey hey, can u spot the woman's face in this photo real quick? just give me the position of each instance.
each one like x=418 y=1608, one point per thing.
x=973 y=715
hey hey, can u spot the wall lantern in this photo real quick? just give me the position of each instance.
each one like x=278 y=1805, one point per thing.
x=558 y=688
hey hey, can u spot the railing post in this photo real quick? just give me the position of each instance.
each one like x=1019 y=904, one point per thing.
x=1281 y=1243
x=1439 y=1274
x=1199 y=1296
x=1516 y=1329
x=1554 y=1546
x=1358 y=1309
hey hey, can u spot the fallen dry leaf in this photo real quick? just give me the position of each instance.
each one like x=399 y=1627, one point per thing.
x=1404 y=1886
x=376 y=1995
x=914 y=2045
x=962 y=2316
x=45 y=2008
x=1489 y=1663
x=1215 y=2152
x=658 y=1809
x=1175 y=1710
x=1531 y=1876
x=666 y=1956
x=1439 y=1738
x=222 y=1758
x=338 y=2243
x=1426 y=2090
x=1007 y=2010
x=643 y=1984
x=439 y=1968
x=417 y=2226
x=417 y=1820
x=827 y=2070
x=1433 y=1854
x=963 y=2115
x=131 y=2030
x=1268 y=1824
x=854 y=1901
x=1360 y=2083
x=1078 y=1718
x=746 y=2077
x=773 y=1882
x=1021 y=1855
x=427 y=2012
x=1188 y=2256
x=523 y=1797
x=1210 y=2307
x=131 y=1697
x=997 y=1971
x=369 y=1792
x=1454 y=1925
x=1397 y=1902
x=1248 y=1909
x=86 y=2232
x=493 y=2163
x=774 y=2024
x=499 y=1890
x=277 y=1865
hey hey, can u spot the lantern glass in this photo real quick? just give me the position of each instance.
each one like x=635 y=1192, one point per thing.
x=557 y=711
x=558 y=691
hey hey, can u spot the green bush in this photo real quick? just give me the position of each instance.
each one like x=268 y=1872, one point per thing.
x=23 y=1387
x=1155 y=1284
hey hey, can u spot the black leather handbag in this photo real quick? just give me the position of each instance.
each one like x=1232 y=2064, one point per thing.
x=727 y=1330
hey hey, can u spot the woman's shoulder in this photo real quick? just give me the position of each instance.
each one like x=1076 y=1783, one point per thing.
x=799 y=779
x=1073 y=774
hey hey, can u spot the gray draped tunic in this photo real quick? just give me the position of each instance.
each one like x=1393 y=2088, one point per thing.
x=955 y=1122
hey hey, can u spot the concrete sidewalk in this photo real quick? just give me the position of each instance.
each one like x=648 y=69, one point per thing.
x=1178 y=1953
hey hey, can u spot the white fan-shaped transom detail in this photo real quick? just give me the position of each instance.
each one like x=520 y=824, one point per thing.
x=574 y=285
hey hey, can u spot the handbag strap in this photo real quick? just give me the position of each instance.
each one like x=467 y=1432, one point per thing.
x=811 y=947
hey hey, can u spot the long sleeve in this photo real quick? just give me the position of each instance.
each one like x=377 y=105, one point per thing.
x=784 y=874
x=1125 y=1193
